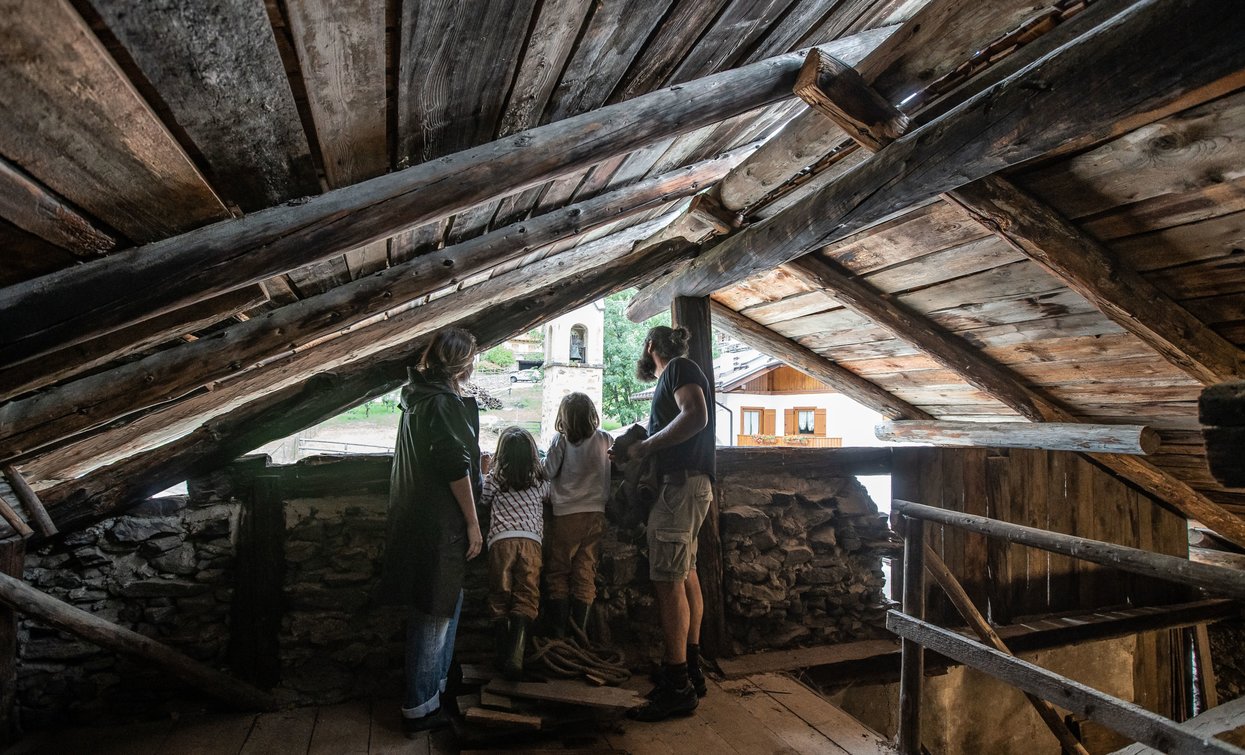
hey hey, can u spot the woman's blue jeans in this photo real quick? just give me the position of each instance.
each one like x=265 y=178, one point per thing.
x=429 y=650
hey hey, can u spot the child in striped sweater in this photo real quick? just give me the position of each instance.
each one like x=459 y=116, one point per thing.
x=515 y=490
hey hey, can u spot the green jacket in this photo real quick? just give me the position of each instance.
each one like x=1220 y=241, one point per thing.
x=426 y=541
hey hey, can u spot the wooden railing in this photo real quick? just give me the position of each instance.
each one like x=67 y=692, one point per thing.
x=789 y=441
x=1041 y=686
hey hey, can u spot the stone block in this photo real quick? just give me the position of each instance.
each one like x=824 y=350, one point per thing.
x=158 y=507
x=161 y=588
x=158 y=545
x=744 y=520
x=138 y=530
x=749 y=571
x=824 y=537
x=794 y=555
x=180 y=561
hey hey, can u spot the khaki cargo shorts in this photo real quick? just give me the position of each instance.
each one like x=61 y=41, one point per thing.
x=672 y=527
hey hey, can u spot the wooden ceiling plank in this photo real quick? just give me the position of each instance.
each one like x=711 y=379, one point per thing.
x=453 y=80
x=1000 y=127
x=173 y=373
x=34 y=208
x=24 y=255
x=735 y=29
x=88 y=355
x=527 y=289
x=76 y=123
x=216 y=66
x=549 y=47
x=812 y=364
x=669 y=44
x=604 y=52
x=341 y=53
x=254 y=247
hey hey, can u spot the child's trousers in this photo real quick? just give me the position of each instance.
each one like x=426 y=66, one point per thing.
x=514 y=577
x=574 y=549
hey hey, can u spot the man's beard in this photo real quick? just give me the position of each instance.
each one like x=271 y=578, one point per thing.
x=646 y=368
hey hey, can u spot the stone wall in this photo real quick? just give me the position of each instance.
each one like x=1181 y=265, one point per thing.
x=165 y=570
x=1227 y=652
x=801 y=567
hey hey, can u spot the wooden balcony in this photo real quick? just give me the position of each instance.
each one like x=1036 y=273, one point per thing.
x=789 y=441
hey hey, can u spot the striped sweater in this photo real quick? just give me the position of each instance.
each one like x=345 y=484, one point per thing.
x=515 y=513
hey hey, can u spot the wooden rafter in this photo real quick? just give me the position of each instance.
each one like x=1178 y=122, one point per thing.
x=361 y=341
x=1047 y=106
x=41 y=419
x=246 y=250
x=273 y=415
x=812 y=364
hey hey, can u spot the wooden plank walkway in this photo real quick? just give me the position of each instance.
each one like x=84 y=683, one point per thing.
x=766 y=713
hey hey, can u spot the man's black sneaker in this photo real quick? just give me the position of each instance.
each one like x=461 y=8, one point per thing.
x=666 y=702
x=695 y=676
x=413 y=727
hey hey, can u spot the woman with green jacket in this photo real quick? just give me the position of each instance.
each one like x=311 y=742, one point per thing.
x=433 y=529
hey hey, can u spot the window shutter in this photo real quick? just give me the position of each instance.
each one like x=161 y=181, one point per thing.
x=819 y=423
x=767 y=422
x=788 y=422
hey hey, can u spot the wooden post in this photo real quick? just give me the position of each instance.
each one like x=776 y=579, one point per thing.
x=29 y=500
x=12 y=563
x=19 y=526
x=693 y=314
x=955 y=591
x=1206 y=680
x=60 y=615
x=912 y=661
x=254 y=645
x=1050 y=436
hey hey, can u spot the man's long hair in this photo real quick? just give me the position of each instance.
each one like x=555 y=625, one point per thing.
x=666 y=343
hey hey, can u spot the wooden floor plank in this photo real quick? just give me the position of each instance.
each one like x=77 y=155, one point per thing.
x=834 y=723
x=130 y=739
x=285 y=732
x=209 y=734
x=722 y=711
x=386 y=737
x=789 y=728
x=343 y=729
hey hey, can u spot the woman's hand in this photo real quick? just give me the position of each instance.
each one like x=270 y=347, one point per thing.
x=475 y=543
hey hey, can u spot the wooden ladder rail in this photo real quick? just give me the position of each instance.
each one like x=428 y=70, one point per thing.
x=1125 y=717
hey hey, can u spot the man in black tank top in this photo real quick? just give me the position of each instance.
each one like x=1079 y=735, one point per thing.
x=681 y=438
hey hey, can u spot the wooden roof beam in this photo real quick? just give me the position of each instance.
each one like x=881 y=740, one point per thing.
x=241 y=251
x=1047 y=106
x=274 y=415
x=35 y=208
x=60 y=412
x=812 y=364
x=526 y=287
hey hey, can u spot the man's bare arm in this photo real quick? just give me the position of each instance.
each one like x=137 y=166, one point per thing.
x=693 y=416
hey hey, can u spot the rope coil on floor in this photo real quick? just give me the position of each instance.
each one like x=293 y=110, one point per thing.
x=576 y=656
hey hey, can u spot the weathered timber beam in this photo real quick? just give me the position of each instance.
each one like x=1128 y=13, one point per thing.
x=1050 y=436
x=60 y=412
x=87 y=355
x=937 y=569
x=29 y=500
x=1227 y=719
x=912 y=654
x=1217 y=580
x=237 y=252
x=62 y=616
x=915 y=328
x=1046 y=106
x=1086 y=266
x=872 y=121
x=274 y=415
x=812 y=364
x=1127 y=718
x=834 y=89
x=33 y=207
x=16 y=524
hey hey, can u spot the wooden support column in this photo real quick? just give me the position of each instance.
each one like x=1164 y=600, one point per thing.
x=254 y=647
x=1206 y=679
x=693 y=314
x=29 y=500
x=60 y=615
x=12 y=563
x=1050 y=436
x=912 y=660
x=959 y=598
x=812 y=364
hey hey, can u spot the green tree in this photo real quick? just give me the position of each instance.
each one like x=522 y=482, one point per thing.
x=623 y=341
x=500 y=356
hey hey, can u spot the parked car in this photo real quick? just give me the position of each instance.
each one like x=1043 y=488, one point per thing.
x=525 y=376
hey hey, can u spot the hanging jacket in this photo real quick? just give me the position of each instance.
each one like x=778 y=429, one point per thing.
x=426 y=541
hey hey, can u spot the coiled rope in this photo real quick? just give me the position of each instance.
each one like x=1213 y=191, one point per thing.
x=576 y=656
